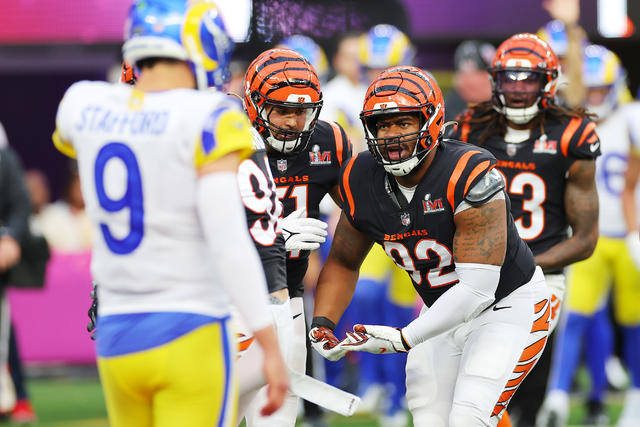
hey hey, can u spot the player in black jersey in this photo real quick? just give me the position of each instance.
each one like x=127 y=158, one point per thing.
x=283 y=99
x=546 y=154
x=439 y=210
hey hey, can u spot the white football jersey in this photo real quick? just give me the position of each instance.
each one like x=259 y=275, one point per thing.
x=137 y=155
x=615 y=143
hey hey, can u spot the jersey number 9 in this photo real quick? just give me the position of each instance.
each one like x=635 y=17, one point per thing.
x=131 y=199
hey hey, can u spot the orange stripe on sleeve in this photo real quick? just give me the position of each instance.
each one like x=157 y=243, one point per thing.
x=587 y=130
x=347 y=187
x=339 y=141
x=475 y=172
x=571 y=129
x=464 y=131
x=455 y=176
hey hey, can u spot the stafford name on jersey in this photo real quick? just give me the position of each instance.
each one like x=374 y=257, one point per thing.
x=95 y=118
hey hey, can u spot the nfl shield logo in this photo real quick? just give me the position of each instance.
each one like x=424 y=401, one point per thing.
x=511 y=150
x=282 y=165
x=405 y=218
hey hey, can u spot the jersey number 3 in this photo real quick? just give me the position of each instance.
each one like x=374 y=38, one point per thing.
x=131 y=198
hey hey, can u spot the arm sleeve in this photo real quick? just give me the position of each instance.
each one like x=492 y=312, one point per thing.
x=233 y=253
x=474 y=292
x=16 y=221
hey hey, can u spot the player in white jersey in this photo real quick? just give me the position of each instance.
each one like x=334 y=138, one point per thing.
x=590 y=281
x=157 y=163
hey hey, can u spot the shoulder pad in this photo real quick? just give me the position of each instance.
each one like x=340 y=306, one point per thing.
x=487 y=187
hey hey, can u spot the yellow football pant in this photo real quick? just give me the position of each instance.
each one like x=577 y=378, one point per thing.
x=189 y=381
x=590 y=281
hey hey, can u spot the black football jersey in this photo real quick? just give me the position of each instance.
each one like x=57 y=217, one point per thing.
x=258 y=193
x=536 y=171
x=419 y=237
x=303 y=179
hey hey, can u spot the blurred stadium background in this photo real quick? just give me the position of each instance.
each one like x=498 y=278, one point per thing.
x=45 y=45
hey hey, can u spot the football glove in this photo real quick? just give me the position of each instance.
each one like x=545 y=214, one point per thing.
x=376 y=339
x=93 y=311
x=301 y=233
x=325 y=342
x=633 y=246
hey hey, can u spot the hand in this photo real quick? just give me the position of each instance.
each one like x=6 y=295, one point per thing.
x=9 y=252
x=376 y=339
x=93 y=311
x=302 y=233
x=325 y=342
x=567 y=11
x=277 y=378
x=633 y=246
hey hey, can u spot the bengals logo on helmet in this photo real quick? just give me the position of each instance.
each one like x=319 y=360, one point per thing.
x=397 y=90
x=528 y=52
x=284 y=78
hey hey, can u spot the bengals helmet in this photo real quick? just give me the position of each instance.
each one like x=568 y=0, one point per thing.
x=128 y=74
x=403 y=89
x=524 y=60
x=282 y=78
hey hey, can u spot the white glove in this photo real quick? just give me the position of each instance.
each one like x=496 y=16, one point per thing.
x=325 y=342
x=633 y=246
x=376 y=339
x=301 y=233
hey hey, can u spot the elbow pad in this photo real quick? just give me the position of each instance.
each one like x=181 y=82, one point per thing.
x=490 y=184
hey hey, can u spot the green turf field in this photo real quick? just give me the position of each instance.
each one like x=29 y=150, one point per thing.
x=79 y=403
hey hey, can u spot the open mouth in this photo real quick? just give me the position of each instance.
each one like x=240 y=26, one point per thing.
x=396 y=152
x=285 y=136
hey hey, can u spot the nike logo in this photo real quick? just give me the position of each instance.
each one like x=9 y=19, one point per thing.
x=496 y=308
x=295 y=316
x=594 y=147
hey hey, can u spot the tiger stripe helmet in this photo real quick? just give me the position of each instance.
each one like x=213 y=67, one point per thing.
x=524 y=56
x=404 y=89
x=128 y=74
x=282 y=77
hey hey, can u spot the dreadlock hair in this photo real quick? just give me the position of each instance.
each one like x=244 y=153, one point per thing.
x=495 y=123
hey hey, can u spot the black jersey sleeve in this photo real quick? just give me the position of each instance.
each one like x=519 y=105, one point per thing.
x=345 y=184
x=579 y=139
x=471 y=166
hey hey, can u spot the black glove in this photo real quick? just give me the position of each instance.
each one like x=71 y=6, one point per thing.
x=93 y=311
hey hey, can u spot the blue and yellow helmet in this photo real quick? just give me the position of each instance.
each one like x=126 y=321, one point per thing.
x=385 y=46
x=311 y=51
x=555 y=34
x=601 y=68
x=190 y=31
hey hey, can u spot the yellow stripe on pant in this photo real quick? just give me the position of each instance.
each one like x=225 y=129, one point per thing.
x=189 y=381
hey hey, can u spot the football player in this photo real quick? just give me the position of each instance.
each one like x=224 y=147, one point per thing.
x=439 y=210
x=283 y=99
x=157 y=162
x=611 y=267
x=546 y=154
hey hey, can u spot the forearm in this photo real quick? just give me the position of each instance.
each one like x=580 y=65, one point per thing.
x=474 y=293
x=225 y=227
x=334 y=291
x=630 y=210
x=574 y=249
